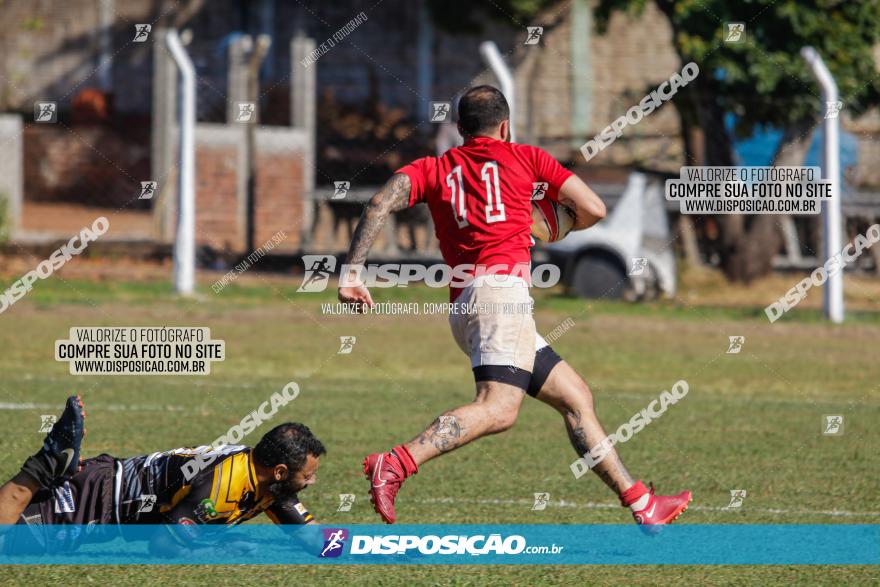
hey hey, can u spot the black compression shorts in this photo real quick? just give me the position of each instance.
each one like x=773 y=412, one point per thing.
x=545 y=359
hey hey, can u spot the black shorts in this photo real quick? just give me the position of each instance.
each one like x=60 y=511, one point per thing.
x=89 y=497
x=84 y=508
x=545 y=359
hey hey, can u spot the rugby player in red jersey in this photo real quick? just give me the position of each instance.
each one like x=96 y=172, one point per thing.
x=479 y=195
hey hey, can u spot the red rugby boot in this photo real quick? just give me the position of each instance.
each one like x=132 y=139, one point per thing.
x=386 y=472
x=662 y=509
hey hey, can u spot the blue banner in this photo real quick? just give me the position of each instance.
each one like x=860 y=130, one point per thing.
x=508 y=544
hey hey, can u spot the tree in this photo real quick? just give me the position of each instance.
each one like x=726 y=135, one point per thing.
x=466 y=16
x=764 y=82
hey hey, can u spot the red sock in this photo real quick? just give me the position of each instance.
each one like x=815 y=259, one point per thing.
x=633 y=494
x=409 y=464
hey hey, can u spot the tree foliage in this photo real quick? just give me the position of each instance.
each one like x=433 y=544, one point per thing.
x=765 y=80
x=469 y=17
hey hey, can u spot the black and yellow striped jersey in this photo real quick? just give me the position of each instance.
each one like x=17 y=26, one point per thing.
x=223 y=490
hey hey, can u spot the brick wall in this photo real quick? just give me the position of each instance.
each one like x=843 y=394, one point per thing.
x=621 y=74
x=87 y=164
x=279 y=177
x=635 y=54
x=50 y=50
x=217 y=224
x=221 y=168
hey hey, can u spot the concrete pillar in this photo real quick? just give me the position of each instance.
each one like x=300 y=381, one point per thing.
x=164 y=123
x=303 y=114
x=581 y=71
x=237 y=84
x=11 y=176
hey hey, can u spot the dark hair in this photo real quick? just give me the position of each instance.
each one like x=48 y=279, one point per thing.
x=287 y=444
x=481 y=109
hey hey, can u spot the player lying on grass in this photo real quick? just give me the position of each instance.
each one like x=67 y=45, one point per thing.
x=479 y=196
x=55 y=486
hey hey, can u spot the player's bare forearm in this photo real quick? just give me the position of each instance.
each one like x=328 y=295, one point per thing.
x=393 y=196
x=587 y=206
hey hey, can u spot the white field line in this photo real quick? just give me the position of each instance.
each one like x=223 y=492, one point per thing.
x=171 y=381
x=110 y=407
x=453 y=500
x=752 y=399
x=613 y=506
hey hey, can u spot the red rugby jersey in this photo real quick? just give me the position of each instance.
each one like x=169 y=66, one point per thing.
x=480 y=197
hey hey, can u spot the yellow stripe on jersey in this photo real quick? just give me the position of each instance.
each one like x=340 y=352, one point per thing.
x=231 y=481
x=181 y=493
x=234 y=477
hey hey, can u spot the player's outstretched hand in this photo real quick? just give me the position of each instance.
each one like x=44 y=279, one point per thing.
x=358 y=295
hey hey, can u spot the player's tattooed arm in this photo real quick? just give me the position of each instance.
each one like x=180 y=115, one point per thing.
x=587 y=206
x=393 y=196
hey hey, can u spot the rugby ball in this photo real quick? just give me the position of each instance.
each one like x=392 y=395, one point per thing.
x=551 y=222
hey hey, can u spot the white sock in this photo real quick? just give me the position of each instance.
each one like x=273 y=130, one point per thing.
x=641 y=503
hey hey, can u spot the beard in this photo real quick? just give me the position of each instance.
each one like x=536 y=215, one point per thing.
x=282 y=490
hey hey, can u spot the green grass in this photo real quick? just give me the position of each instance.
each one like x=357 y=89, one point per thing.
x=751 y=420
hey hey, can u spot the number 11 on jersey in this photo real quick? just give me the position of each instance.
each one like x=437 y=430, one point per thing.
x=494 y=205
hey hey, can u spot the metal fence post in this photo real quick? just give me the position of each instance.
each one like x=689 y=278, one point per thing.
x=833 y=298
x=184 y=244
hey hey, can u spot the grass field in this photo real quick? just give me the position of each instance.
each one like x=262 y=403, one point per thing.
x=751 y=420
